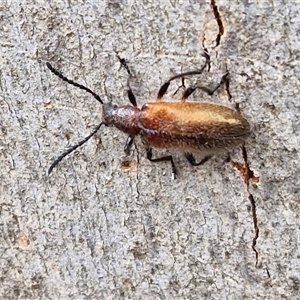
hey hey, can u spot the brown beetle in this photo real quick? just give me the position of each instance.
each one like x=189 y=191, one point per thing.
x=191 y=127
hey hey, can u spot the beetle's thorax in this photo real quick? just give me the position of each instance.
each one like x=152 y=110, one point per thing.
x=123 y=117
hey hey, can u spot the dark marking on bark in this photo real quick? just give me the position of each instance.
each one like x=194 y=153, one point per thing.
x=138 y=250
x=227 y=84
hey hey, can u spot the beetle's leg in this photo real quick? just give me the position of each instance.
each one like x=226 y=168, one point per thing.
x=191 y=89
x=163 y=89
x=130 y=94
x=188 y=92
x=190 y=157
x=124 y=64
x=128 y=144
x=164 y=158
x=224 y=80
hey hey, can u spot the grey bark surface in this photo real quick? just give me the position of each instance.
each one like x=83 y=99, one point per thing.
x=97 y=230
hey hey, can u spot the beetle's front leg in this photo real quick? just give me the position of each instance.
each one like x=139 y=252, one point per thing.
x=130 y=93
x=128 y=144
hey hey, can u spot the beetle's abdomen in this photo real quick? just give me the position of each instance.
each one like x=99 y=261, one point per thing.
x=192 y=126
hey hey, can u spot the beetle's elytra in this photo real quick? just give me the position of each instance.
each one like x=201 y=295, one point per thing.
x=191 y=127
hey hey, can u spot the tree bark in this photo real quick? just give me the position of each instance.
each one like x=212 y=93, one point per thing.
x=107 y=226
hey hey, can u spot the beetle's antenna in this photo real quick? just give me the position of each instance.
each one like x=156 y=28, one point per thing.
x=73 y=148
x=61 y=76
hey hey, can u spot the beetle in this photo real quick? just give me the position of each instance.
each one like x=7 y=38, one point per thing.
x=191 y=127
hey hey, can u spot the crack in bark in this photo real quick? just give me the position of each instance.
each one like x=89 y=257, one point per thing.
x=219 y=22
x=248 y=175
x=206 y=55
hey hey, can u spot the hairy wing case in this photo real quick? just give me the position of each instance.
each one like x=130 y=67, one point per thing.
x=193 y=119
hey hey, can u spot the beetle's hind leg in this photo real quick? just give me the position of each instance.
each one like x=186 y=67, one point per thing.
x=190 y=157
x=163 y=89
x=163 y=158
x=130 y=94
x=191 y=89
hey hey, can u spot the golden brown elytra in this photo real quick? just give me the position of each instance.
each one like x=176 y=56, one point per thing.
x=191 y=127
